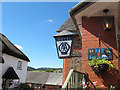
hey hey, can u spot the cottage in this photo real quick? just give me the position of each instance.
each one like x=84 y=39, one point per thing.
x=98 y=27
x=13 y=64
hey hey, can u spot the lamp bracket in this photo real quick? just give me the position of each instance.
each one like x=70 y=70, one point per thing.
x=106 y=11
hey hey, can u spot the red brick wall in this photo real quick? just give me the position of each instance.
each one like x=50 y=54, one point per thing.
x=32 y=85
x=47 y=87
x=52 y=87
x=67 y=63
x=92 y=27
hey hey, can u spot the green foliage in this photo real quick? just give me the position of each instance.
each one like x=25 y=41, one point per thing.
x=30 y=68
x=112 y=87
x=95 y=62
x=49 y=70
x=23 y=85
x=41 y=69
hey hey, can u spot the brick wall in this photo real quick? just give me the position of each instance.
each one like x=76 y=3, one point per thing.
x=67 y=63
x=32 y=86
x=74 y=61
x=52 y=87
x=91 y=28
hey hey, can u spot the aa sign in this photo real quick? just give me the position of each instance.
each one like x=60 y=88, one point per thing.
x=64 y=48
x=64 y=45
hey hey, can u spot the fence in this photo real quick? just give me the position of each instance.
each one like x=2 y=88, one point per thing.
x=75 y=81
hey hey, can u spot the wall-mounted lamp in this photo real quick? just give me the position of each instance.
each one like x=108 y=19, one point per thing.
x=107 y=21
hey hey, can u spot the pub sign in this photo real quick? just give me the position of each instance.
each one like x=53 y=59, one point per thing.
x=100 y=53
x=64 y=45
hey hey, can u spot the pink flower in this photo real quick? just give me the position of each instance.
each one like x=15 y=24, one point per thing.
x=95 y=83
x=101 y=85
x=104 y=56
x=83 y=83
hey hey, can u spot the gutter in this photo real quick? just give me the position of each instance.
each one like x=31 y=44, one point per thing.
x=80 y=7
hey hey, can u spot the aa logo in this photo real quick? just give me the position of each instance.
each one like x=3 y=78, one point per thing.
x=64 y=48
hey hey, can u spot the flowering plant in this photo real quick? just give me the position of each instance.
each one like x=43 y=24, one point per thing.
x=96 y=62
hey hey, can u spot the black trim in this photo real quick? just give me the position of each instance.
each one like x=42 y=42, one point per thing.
x=10 y=49
x=10 y=74
x=2 y=60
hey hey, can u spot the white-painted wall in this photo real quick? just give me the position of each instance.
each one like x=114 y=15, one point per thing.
x=11 y=61
x=0 y=76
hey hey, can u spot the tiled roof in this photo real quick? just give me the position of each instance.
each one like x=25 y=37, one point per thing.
x=55 y=79
x=37 y=77
x=44 y=78
x=64 y=33
x=68 y=25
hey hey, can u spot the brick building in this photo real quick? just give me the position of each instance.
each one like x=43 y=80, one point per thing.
x=44 y=80
x=86 y=18
x=75 y=61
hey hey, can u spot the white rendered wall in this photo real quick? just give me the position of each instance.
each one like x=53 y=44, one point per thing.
x=11 y=61
x=0 y=76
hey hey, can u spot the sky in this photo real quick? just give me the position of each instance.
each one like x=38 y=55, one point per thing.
x=31 y=26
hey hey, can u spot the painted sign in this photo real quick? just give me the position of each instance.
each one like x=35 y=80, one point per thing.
x=64 y=45
x=100 y=53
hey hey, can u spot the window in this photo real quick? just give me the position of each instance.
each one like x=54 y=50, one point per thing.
x=36 y=85
x=19 y=66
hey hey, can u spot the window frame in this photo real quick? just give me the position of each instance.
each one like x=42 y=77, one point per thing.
x=19 y=65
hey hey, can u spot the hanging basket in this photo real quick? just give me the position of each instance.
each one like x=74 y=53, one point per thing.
x=100 y=69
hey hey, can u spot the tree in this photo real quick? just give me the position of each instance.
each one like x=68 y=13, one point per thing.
x=49 y=70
